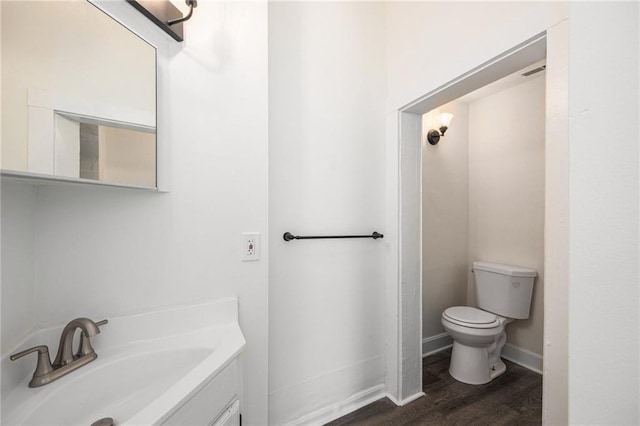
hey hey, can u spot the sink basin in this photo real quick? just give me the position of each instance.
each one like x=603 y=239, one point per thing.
x=115 y=389
x=135 y=380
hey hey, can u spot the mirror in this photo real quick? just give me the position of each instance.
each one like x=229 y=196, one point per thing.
x=78 y=95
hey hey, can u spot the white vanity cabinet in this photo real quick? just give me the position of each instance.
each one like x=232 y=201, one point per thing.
x=230 y=416
x=215 y=404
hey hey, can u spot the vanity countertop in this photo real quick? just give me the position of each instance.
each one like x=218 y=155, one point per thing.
x=148 y=366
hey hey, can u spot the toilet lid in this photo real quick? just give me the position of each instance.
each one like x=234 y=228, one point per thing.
x=467 y=316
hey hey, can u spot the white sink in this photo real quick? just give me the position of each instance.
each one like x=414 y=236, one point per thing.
x=135 y=379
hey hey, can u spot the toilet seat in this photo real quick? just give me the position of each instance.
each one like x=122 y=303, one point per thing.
x=467 y=316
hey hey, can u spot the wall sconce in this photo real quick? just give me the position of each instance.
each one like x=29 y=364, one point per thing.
x=165 y=15
x=434 y=135
x=191 y=4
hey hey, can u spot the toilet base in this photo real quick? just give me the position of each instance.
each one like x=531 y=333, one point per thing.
x=497 y=369
x=471 y=365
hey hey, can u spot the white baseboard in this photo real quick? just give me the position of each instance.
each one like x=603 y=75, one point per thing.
x=524 y=358
x=430 y=345
x=437 y=343
x=406 y=400
x=327 y=414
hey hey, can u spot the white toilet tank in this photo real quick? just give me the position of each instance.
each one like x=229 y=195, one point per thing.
x=503 y=289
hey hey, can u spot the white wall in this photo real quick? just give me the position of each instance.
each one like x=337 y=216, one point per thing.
x=445 y=216
x=110 y=251
x=18 y=274
x=506 y=193
x=603 y=306
x=431 y=43
x=327 y=84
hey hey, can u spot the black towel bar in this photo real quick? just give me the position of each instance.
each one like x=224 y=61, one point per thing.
x=288 y=236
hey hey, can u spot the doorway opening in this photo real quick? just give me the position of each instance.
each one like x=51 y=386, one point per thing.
x=483 y=200
x=408 y=141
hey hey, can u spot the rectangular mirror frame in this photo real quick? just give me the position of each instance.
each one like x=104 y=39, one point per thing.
x=130 y=18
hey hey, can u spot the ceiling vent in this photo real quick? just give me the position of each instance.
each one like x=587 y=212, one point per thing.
x=534 y=71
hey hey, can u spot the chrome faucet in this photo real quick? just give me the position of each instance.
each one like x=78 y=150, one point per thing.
x=65 y=361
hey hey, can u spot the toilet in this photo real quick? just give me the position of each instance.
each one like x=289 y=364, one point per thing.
x=503 y=294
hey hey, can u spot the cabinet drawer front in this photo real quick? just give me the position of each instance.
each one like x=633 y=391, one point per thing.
x=207 y=405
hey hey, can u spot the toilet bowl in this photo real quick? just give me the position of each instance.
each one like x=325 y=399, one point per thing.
x=503 y=293
x=478 y=337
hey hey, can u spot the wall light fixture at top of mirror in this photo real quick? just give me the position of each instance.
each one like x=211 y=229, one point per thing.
x=78 y=91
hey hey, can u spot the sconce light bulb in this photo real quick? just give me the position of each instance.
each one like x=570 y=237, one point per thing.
x=445 y=119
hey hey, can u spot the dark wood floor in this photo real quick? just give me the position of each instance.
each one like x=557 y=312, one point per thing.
x=514 y=398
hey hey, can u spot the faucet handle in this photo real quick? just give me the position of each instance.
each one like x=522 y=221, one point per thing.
x=44 y=362
x=85 y=347
x=41 y=350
